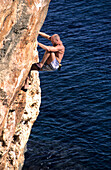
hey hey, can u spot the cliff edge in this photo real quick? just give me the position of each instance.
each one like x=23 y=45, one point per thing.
x=20 y=22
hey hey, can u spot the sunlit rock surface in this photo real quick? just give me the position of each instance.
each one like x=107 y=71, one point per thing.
x=20 y=21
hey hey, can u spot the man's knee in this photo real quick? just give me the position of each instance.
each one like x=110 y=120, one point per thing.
x=52 y=54
x=47 y=52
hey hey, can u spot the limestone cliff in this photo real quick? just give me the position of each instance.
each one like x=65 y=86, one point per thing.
x=20 y=21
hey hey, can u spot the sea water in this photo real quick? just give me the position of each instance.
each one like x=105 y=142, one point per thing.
x=74 y=125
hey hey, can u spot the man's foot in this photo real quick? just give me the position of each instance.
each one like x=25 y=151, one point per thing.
x=39 y=66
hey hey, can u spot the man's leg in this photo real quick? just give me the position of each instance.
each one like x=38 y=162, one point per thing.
x=48 y=58
x=45 y=57
x=38 y=66
x=51 y=58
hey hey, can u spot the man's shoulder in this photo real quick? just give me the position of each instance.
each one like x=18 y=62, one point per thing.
x=60 y=46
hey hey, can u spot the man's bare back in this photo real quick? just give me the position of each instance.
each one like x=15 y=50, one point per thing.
x=59 y=54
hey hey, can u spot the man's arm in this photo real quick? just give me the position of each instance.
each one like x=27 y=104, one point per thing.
x=45 y=35
x=49 y=48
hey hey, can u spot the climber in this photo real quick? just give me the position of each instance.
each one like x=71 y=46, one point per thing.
x=52 y=57
x=53 y=54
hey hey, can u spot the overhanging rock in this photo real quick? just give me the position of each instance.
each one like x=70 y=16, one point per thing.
x=20 y=22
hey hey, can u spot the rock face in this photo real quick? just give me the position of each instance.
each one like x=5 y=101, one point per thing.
x=20 y=21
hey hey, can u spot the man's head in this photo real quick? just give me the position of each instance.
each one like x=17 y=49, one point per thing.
x=55 y=39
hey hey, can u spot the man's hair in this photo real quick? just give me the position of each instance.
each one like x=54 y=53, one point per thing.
x=56 y=38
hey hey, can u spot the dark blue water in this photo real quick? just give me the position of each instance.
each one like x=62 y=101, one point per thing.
x=74 y=126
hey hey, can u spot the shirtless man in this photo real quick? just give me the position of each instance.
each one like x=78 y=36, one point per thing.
x=53 y=54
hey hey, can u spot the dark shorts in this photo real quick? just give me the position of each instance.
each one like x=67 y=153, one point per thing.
x=54 y=65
